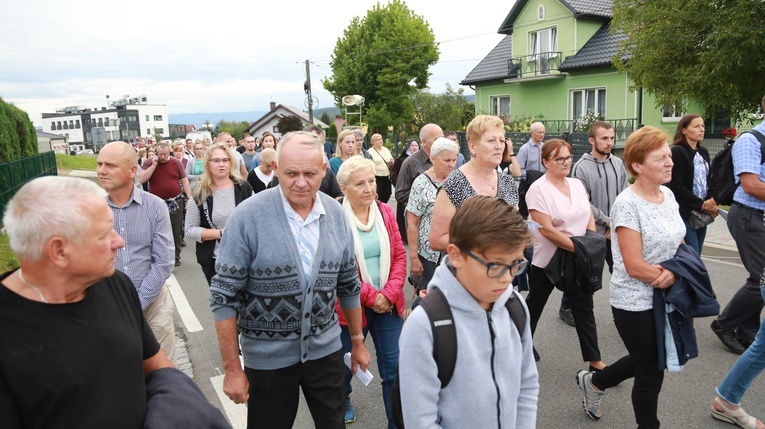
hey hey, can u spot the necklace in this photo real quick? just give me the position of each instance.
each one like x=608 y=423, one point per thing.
x=42 y=298
x=489 y=181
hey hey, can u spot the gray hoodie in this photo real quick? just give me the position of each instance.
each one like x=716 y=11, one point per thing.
x=604 y=180
x=495 y=382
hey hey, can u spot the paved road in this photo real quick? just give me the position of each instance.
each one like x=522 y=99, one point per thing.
x=685 y=397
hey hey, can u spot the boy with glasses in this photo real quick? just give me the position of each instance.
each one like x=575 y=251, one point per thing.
x=495 y=381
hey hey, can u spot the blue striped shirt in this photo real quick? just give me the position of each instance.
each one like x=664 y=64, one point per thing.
x=149 y=253
x=746 y=159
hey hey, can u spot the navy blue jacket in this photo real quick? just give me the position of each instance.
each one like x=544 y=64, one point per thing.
x=691 y=295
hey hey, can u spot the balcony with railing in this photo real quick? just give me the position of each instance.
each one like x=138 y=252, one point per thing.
x=535 y=66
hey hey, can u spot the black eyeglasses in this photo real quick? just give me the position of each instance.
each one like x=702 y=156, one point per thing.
x=495 y=270
x=564 y=159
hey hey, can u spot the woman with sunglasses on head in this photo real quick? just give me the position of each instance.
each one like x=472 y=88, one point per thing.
x=561 y=206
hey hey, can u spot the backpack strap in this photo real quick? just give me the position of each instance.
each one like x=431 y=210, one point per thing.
x=761 y=138
x=517 y=313
x=444 y=333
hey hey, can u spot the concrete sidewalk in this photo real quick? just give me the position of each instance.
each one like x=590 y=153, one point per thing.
x=719 y=243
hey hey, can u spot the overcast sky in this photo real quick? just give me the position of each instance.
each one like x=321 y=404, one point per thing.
x=210 y=56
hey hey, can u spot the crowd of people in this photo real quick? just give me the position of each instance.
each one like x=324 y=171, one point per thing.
x=304 y=258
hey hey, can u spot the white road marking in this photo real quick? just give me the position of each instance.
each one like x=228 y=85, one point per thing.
x=183 y=306
x=236 y=413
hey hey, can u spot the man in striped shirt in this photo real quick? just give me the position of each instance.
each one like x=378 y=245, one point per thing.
x=143 y=222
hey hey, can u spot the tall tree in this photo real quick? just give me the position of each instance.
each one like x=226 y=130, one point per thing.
x=709 y=51
x=383 y=57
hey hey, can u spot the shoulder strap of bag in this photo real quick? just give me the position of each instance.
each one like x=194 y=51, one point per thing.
x=517 y=313
x=439 y=313
x=444 y=333
x=761 y=138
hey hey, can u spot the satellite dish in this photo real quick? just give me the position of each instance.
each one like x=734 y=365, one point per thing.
x=353 y=100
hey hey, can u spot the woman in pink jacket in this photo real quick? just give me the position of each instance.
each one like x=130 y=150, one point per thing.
x=381 y=258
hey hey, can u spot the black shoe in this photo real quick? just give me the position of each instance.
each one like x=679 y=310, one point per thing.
x=745 y=341
x=178 y=263
x=727 y=337
x=536 y=355
x=183 y=243
x=567 y=316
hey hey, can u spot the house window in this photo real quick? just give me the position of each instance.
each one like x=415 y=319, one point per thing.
x=159 y=131
x=66 y=127
x=673 y=112
x=157 y=117
x=500 y=105
x=77 y=124
x=541 y=13
x=588 y=101
x=148 y=131
x=58 y=125
x=106 y=122
x=100 y=122
x=543 y=45
x=53 y=126
x=147 y=117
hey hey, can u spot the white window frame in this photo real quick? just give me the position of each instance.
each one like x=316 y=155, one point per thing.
x=673 y=113
x=536 y=48
x=496 y=105
x=585 y=92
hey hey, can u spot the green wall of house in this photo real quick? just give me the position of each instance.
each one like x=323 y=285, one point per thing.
x=551 y=95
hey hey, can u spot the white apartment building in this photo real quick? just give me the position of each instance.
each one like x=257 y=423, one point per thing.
x=124 y=119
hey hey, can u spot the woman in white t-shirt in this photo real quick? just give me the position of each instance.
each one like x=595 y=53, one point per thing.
x=560 y=204
x=383 y=163
x=646 y=229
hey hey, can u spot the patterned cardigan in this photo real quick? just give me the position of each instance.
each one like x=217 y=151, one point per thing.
x=283 y=317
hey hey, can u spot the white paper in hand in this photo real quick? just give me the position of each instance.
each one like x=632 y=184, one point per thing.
x=365 y=376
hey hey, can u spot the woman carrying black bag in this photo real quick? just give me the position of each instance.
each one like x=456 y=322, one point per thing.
x=216 y=194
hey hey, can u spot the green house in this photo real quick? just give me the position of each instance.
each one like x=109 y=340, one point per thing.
x=556 y=61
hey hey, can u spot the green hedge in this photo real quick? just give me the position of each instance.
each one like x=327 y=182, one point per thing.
x=18 y=138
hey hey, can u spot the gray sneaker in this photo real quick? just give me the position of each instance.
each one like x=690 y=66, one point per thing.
x=591 y=397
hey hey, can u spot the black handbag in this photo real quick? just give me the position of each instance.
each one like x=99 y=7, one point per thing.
x=700 y=219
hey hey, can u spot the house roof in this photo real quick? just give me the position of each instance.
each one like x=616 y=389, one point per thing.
x=494 y=65
x=49 y=135
x=594 y=9
x=598 y=51
x=275 y=112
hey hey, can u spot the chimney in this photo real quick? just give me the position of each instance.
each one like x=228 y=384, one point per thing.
x=273 y=106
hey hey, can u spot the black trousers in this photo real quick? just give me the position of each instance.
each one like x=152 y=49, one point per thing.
x=743 y=311
x=273 y=402
x=638 y=333
x=384 y=189
x=581 y=308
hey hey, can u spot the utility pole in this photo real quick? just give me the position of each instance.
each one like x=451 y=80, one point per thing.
x=307 y=88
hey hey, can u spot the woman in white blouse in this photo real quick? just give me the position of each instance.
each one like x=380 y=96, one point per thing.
x=646 y=229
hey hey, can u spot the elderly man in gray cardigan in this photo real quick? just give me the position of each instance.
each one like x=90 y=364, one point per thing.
x=286 y=255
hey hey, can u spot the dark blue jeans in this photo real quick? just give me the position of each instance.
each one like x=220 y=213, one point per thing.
x=385 y=329
x=694 y=237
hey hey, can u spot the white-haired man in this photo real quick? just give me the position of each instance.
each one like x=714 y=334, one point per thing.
x=74 y=346
x=283 y=302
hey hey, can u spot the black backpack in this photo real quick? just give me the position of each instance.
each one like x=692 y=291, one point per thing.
x=722 y=180
x=445 y=341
